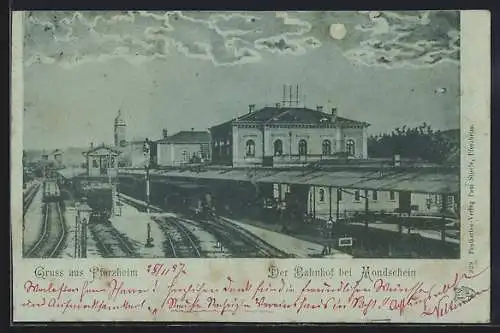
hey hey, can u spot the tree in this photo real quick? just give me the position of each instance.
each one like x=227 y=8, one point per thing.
x=420 y=142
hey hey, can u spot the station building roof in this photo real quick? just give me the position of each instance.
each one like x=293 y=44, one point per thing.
x=187 y=137
x=293 y=115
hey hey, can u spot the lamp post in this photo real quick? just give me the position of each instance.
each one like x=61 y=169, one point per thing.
x=83 y=212
x=77 y=231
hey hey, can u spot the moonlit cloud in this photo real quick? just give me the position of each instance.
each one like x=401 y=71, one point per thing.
x=225 y=39
x=388 y=39
x=417 y=39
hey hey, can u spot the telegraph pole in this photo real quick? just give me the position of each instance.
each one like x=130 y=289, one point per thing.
x=147 y=155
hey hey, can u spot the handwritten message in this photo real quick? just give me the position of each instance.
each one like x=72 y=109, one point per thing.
x=173 y=288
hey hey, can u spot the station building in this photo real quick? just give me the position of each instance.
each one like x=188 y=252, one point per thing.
x=102 y=161
x=287 y=135
x=183 y=147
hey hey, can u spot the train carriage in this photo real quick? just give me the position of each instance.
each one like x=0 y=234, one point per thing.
x=51 y=192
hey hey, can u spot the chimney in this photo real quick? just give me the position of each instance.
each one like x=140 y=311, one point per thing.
x=251 y=108
x=91 y=145
x=334 y=114
x=165 y=133
x=192 y=129
x=396 y=160
x=319 y=108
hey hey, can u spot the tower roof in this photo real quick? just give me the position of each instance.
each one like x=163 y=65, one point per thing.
x=119 y=119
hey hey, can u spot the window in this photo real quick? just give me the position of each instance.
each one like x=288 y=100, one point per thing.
x=356 y=195
x=391 y=195
x=112 y=163
x=428 y=203
x=321 y=195
x=350 y=147
x=375 y=195
x=185 y=156
x=250 y=148
x=451 y=201
x=327 y=147
x=94 y=163
x=339 y=194
x=278 y=147
x=302 y=147
x=437 y=200
x=276 y=190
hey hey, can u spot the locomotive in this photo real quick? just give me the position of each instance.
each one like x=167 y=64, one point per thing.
x=101 y=202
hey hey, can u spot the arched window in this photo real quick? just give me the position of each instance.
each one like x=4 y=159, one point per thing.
x=112 y=163
x=278 y=147
x=350 y=147
x=250 y=148
x=302 y=147
x=327 y=147
x=321 y=195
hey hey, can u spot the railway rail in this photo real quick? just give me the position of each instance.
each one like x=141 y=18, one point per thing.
x=52 y=235
x=239 y=241
x=28 y=198
x=110 y=242
x=180 y=242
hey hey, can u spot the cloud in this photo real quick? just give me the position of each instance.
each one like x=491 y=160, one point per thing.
x=70 y=40
x=225 y=39
x=285 y=45
x=397 y=39
x=388 y=39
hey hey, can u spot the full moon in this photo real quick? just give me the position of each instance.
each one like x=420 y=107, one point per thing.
x=338 y=31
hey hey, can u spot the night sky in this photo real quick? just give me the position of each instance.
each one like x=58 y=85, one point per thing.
x=182 y=70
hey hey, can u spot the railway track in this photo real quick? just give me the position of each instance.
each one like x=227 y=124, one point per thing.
x=52 y=235
x=179 y=240
x=110 y=242
x=28 y=198
x=267 y=248
x=240 y=242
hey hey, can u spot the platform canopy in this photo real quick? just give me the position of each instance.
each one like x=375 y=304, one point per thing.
x=185 y=185
x=413 y=180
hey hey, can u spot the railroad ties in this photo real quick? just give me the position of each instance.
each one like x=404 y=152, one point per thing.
x=110 y=242
x=52 y=235
x=29 y=196
x=240 y=242
x=179 y=241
